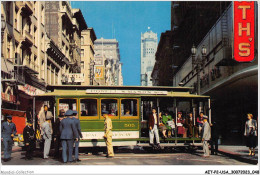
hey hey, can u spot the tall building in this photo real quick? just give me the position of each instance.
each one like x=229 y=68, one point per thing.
x=40 y=47
x=87 y=55
x=64 y=25
x=23 y=53
x=233 y=86
x=107 y=62
x=148 y=50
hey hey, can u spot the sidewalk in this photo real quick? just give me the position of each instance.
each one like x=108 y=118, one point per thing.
x=239 y=153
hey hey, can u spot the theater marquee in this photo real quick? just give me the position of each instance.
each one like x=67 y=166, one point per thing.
x=244 y=31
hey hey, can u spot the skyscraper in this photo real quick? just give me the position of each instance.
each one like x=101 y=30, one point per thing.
x=148 y=50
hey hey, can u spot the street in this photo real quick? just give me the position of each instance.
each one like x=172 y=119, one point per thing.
x=127 y=156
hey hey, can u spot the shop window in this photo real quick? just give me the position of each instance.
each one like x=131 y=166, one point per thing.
x=67 y=104
x=88 y=107
x=109 y=106
x=128 y=107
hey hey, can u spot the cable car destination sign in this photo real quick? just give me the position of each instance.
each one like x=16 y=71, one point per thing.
x=244 y=31
x=115 y=91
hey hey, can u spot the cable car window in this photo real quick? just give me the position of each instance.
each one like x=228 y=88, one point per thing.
x=109 y=106
x=67 y=104
x=88 y=107
x=128 y=107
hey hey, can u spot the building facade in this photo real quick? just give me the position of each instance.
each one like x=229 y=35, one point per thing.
x=23 y=55
x=40 y=46
x=162 y=73
x=148 y=50
x=87 y=55
x=233 y=86
x=108 y=68
x=63 y=26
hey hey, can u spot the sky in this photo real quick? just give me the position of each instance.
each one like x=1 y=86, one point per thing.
x=126 y=20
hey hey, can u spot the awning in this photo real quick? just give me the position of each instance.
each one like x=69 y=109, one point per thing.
x=13 y=112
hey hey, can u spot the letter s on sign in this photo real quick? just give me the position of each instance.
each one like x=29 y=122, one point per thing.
x=244 y=49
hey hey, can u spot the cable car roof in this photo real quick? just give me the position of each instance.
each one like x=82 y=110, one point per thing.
x=119 y=91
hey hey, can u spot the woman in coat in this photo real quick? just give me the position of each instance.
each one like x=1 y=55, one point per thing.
x=180 y=128
x=251 y=134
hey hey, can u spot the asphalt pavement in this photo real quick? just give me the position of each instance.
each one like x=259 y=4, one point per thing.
x=129 y=156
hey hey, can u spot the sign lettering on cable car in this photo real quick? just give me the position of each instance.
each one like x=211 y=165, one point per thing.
x=105 y=91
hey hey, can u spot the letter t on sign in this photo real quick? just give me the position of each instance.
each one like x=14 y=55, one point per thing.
x=244 y=31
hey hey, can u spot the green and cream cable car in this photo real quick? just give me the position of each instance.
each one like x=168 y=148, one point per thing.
x=129 y=108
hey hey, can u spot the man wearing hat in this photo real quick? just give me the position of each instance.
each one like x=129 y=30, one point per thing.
x=8 y=130
x=29 y=138
x=205 y=136
x=47 y=136
x=68 y=133
x=56 y=134
x=77 y=125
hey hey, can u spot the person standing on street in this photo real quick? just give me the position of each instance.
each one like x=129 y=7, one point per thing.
x=76 y=141
x=8 y=130
x=206 y=136
x=56 y=133
x=251 y=134
x=108 y=135
x=67 y=134
x=47 y=136
x=29 y=138
x=153 y=128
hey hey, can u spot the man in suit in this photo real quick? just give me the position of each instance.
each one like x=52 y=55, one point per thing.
x=56 y=134
x=8 y=130
x=108 y=135
x=68 y=133
x=189 y=123
x=206 y=136
x=29 y=138
x=47 y=136
x=153 y=128
x=77 y=125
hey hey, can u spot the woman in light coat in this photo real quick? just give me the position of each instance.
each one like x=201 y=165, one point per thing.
x=251 y=134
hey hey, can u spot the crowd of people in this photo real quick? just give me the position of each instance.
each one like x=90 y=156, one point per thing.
x=186 y=127
x=66 y=133
x=182 y=127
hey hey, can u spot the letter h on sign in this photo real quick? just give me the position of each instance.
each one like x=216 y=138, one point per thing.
x=244 y=31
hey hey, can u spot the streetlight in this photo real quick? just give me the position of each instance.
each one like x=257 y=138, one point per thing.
x=3 y=25
x=198 y=63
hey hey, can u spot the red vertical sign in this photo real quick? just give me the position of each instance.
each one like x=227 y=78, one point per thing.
x=244 y=31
